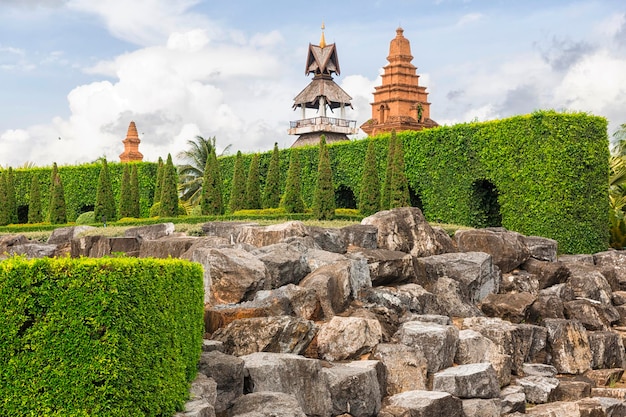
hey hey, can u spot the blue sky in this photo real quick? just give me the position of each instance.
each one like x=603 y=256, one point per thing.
x=81 y=70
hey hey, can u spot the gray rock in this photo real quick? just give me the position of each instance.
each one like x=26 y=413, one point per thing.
x=267 y=403
x=607 y=350
x=64 y=235
x=546 y=306
x=512 y=307
x=429 y=318
x=512 y=400
x=541 y=248
x=556 y=409
x=227 y=230
x=568 y=346
x=408 y=298
x=519 y=281
x=377 y=367
x=477 y=407
x=197 y=408
x=438 y=343
x=212 y=345
x=99 y=246
x=165 y=247
x=33 y=250
x=386 y=266
x=588 y=282
x=203 y=388
x=474 y=271
x=286 y=264
x=347 y=338
x=360 y=236
x=580 y=259
x=328 y=239
x=475 y=348
x=572 y=390
x=354 y=390
x=405 y=229
x=508 y=249
x=590 y=313
x=547 y=273
x=615 y=259
x=318 y=258
x=612 y=407
x=290 y=374
x=538 y=389
x=539 y=369
x=476 y=380
x=451 y=300
x=444 y=239
x=263 y=236
x=150 y=232
x=228 y=372
x=406 y=367
x=427 y=404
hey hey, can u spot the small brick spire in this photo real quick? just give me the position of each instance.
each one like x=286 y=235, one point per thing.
x=131 y=145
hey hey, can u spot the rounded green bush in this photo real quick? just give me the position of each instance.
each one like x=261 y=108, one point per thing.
x=88 y=217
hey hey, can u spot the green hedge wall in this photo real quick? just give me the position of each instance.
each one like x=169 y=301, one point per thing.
x=550 y=170
x=98 y=337
x=81 y=182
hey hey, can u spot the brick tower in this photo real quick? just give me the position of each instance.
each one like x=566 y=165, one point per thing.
x=400 y=103
x=131 y=145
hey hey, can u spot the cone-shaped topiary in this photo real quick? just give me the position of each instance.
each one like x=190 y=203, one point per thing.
x=135 y=210
x=253 y=185
x=11 y=201
x=271 y=194
x=291 y=200
x=57 y=211
x=34 y=201
x=385 y=196
x=211 y=200
x=4 y=213
x=53 y=175
x=104 y=209
x=369 y=198
x=125 y=194
x=159 y=181
x=399 y=191
x=169 y=189
x=238 y=188
x=324 y=197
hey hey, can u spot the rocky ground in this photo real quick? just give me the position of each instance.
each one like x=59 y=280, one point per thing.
x=391 y=318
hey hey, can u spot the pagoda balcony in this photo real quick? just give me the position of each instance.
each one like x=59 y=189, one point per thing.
x=323 y=124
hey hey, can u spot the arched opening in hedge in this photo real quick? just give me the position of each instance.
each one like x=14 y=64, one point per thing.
x=344 y=198
x=22 y=214
x=415 y=198
x=484 y=205
x=85 y=209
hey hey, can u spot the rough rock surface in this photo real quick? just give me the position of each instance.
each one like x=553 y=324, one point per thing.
x=568 y=345
x=263 y=236
x=264 y=403
x=347 y=338
x=286 y=264
x=476 y=380
x=438 y=343
x=354 y=390
x=427 y=404
x=150 y=232
x=228 y=372
x=507 y=249
x=405 y=367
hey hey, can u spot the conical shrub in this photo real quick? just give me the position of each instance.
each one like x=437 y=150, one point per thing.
x=169 y=190
x=399 y=193
x=135 y=209
x=238 y=186
x=271 y=194
x=34 y=201
x=211 y=200
x=385 y=195
x=324 y=197
x=125 y=193
x=104 y=209
x=253 y=185
x=369 y=198
x=291 y=200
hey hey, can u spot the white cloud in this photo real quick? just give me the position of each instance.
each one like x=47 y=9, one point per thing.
x=469 y=18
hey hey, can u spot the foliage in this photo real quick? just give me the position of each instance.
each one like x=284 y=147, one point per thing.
x=34 y=202
x=385 y=195
x=88 y=217
x=159 y=181
x=399 y=187
x=292 y=198
x=169 y=189
x=11 y=206
x=4 y=212
x=192 y=172
x=617 y=190
x=238 y=191
x=135 y=208
x=369 y=198
x=253 y=185
x=125 y=196
x=155 y=210
x=105 y=209
x=271 y=195
x=324 y=197
x=57 y=211
x=211 y=198
x=98 y=337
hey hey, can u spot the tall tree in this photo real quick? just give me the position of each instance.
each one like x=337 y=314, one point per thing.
x=369 y=198
x=291 y=200
x=104 y=209
x=399 y=192
x=169 y=190
x=253 y=185
x=211 y=197
x=135 y=209
x=385 y=196
x=11 y=201
x=271 y=194
x=159 y=182
x=324 y=196
x=125 y=193
x=238 y=186
x=4 y=212
x=34 y=201
x=57 y=210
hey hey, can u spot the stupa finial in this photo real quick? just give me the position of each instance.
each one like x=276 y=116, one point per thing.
x=322 y=39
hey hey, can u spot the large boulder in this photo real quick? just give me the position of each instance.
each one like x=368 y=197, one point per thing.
x=539 y=389
x=267 y=403
x=268 y=235
x=318 y=258
x=353 y=390
x=511 y=307
x=475 y=380
x=405 y=367
x=405 y=229
x=568 y=346
x=541 y=248
x=588 y=282
x=291 y=374
x=387 y=266
x=228 y=372
x=473 y=347
x=408 y=298
x=437 y=342
x=328 y=239
x=507 y=249
x=426 y=404
x=33 y=250
x=150 y=232
x=607 y=350
x=347 y=338
x=518 y=281
x=591 y=313
x=360 y=236
x=165 y=247
x=286 y=264
x=615 y=259
x=474 y=271
x=227 y=230
x=450 y=297
x=99 y=246
x=64 y=235
x=547 y=273
x=478 y=407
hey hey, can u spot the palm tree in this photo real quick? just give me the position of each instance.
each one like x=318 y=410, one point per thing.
x=192 y=172
x=617 y=189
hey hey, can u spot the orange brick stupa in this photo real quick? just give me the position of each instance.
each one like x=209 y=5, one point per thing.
x=131 y=145
x=400 y=103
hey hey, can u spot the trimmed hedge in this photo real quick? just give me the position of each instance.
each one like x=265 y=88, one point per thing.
x=98 y=337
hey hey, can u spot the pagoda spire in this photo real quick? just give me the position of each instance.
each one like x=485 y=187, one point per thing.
x=131 y=145
x=322 y=39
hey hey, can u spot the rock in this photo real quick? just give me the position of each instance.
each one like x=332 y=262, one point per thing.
x=360 y=236
x=475 y=348
x=477 y=407
x=318 y=258
x=580 y=259
x=612 y=407
x=518 y=281
x=263 y=236
x=267 y=403
x=60 y=236
x=197 y=408
x=405 y=229
x=353 y=390
x=165 y=247
x=280 y=334
x=33 y=250
x=512 y=400
x=590 y=313
x=377 y=367
x=605 y=377
x=230 y=275
x=568 y=346
x=427 y=404
x=428 y=318
x=444 y=239
x=405 y=366
x=212 y=345
x=539 y=369
x=203 y=388
x=538 y=389
x=328 y=239
x=619 y=298
x=507 y=249
x=438 y=343
x=607 y=350
x=588 y=282
x=476 y=380
x=290 y=374
x=541 y=248
x=386 y=266
x=618 y=393
x=286 y=264
x=511 y=307
x=448 y=295
x=563 y=291
x=347 y=338
x=408 y=298
x=474 y=271
x=547 y=273
x=546 y=306
x=227 y=230
x=557 y=409
x=572 y=390
x=99 y=246
x=150 y=232
x=228 y=372
x=616 y=260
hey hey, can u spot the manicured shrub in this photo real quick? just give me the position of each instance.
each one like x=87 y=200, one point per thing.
x=369 y=199
x=105 y=209
x=238 y=190
x=135 y=208
x=271 y=194
x=324 y=198
x=399 y=189
x=211 y=200
x=125 y=194
x=253 y=185
x=4 y=212
x=87 y=217
x=34 y=202
x=102 y=337
x=11 y=206
x=158 y=182
x=57 y=198
x=169 y=189
x=292 y=198
x=385 y=195
x=155 y=210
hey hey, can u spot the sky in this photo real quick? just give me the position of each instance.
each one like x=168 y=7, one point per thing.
x=74 y=73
